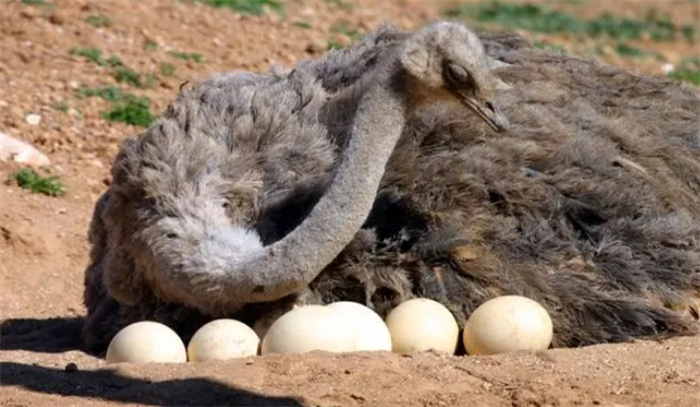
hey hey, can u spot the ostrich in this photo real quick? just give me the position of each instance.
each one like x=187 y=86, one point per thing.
x=174 y=239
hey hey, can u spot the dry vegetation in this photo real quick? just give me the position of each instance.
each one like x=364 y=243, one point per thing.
x=95 y=72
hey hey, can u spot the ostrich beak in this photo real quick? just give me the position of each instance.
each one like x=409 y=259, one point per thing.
x=487 y=111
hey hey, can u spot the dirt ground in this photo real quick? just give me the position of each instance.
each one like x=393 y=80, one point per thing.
x=43 y=242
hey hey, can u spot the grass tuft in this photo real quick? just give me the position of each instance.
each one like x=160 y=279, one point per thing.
x=89 y=53
x=150 y=45
x=688 y=71
x=186 y=56
x=121 y=72
x=29 y=179
x=60 y=106
x=126 y=107
x=167 y=69
x=99 y=20
x=245 y=6
x=132 y=110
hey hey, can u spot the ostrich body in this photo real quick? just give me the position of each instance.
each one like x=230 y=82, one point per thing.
x=589 y=204
x=174 y=237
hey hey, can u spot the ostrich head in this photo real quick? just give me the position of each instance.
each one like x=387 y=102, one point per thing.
x=446 y=60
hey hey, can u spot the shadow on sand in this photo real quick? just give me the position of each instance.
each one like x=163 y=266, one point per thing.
x=52 y=335
x=109 y=386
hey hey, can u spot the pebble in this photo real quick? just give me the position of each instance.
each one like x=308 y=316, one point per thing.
x=57 y=19
x=21 y=152
x=33 y=119
x=315 y=46
x=667 y=68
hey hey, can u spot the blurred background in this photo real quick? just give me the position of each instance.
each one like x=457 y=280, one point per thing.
x=120 y=61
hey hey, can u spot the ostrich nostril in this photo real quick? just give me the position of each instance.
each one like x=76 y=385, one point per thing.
x=171 y=235
x=490 y=106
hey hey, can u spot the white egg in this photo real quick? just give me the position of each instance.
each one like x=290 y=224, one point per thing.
x=421 y=324
x=371 y=332
x=505 y=324
x=145 y=342
x=222 y=339
x=308 y=328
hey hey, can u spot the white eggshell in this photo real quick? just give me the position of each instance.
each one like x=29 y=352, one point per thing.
x=222 y=339
x=505 y=324
x=308 y=328
x=371 y=332
x=421 y=324
x=146 y=342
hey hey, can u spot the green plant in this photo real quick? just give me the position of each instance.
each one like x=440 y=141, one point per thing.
x=126 y=107
x=42 y=3
x=688 y=70
x=539 y=18
x=167 y=69
x=345 y=5
x=126 y=75
x=149 y=45
x=89 y=53
x=113 y=61
x=132 y=110
x=60 y=106
x=245 y=6
x=334 y=44
x=121 y=72
x=186 y=56
x=629 y=51
x=98 y=20
x=301 y=24
x=29 y=179
x=109 y=93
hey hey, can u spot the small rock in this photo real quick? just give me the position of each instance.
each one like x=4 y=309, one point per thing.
x=71 y=368
x=33 y=119
x=21 y=152
x=315 y=46
x=667 y=68
x=28 y=13
x=56 y=19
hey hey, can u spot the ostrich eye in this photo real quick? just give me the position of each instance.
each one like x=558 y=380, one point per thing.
x=457 y=74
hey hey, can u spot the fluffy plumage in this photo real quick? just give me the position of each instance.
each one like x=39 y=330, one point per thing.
x=590 y=203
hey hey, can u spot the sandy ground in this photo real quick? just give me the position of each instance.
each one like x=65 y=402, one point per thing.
x=43 y=243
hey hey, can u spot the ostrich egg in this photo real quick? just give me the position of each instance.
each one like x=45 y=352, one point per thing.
x=222 y=339
x=308 y=328
x=421 y=324
x=370 y=330
x=505 y=324
x=145 y=342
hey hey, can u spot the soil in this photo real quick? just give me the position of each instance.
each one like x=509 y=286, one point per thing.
x=44 y=248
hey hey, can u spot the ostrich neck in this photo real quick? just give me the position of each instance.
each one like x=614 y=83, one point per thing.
x=288 y=265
